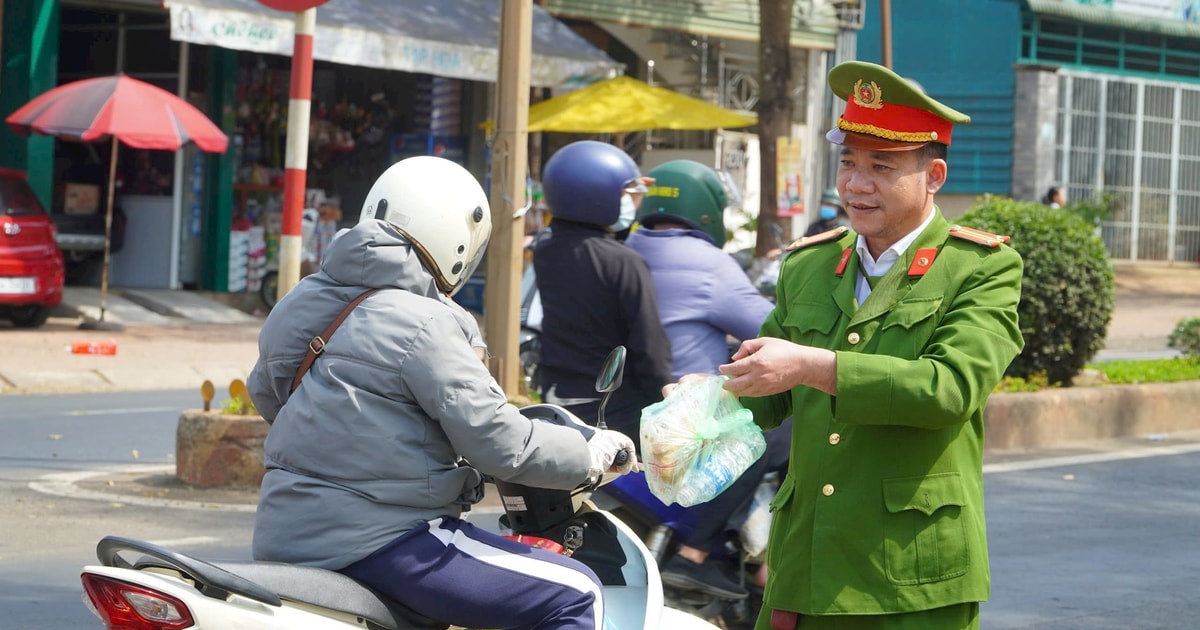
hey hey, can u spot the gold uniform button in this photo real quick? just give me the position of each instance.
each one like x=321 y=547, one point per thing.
x=853 y=338
x=834 y=438
x=827 y=490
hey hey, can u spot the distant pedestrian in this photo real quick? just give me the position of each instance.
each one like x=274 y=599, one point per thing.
x=1055 y=197
x=831 y=215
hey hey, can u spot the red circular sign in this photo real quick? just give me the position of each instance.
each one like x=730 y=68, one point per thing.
x=294 y=6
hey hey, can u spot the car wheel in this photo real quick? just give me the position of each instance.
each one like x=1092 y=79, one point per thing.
x=28 y=315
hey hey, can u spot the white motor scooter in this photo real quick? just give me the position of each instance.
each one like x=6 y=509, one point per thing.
x=140 y=586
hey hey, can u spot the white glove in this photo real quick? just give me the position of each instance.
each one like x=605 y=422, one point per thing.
x=604 y=446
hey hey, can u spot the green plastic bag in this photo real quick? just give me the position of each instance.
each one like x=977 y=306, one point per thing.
x=697 y=442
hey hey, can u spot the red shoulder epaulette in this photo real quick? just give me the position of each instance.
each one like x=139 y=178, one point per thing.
x=816 y=239
x=979 y=237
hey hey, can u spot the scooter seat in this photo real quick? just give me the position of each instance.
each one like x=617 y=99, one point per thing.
x=332 y=590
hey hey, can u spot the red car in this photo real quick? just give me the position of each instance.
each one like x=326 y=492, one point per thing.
x=31 y=264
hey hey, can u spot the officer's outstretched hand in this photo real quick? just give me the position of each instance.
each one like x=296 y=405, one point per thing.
x=766 y=366
x=605 y=446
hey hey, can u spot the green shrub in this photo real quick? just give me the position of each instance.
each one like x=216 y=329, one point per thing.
x=1033 y=383
x=1150 y=371
x=1186 y=337
x=1094 y=209
x=1067 y=291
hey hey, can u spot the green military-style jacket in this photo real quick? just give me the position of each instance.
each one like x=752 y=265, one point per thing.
x=882 y=507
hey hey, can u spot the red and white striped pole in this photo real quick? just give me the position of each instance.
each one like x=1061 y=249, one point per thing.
x=296 y=155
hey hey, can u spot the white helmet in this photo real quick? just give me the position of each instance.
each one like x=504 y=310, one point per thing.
x=441 y=209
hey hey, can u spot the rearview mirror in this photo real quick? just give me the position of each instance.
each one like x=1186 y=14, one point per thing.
x=609 y=380
x=612 y=372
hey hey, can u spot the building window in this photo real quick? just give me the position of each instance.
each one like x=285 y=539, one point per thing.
x=1049 y=39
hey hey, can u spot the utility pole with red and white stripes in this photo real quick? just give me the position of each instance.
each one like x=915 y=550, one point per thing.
x=295 y=160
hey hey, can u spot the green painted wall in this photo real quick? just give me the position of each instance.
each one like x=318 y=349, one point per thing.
x=219 y=170
x=28 y=67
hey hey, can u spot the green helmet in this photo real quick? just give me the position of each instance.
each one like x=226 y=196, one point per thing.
x=831 y=196
x=686 y=192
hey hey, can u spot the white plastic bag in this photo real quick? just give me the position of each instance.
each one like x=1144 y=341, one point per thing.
x=697 y=442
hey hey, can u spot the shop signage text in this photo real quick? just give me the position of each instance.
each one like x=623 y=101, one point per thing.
x=243 y=29
x=426 y=57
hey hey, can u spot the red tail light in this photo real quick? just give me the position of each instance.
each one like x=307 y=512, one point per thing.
x=125 y=606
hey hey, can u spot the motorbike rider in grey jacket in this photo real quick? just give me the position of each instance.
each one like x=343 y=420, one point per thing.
x=367 y=460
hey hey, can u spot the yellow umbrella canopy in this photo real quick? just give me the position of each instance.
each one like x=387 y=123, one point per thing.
x=624 y=104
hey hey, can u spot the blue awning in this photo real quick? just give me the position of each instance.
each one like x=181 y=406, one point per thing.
x=459 y=39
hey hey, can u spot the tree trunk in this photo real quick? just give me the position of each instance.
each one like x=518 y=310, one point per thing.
x=774 y=111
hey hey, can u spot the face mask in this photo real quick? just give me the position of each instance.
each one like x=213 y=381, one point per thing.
x=628 y=212
x=828 y=213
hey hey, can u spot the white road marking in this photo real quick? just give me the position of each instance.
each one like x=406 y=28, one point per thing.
x=126 y=412
x=63 y=485
x=1091 y=458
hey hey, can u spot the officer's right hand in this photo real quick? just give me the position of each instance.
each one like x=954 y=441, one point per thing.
x=767 y=366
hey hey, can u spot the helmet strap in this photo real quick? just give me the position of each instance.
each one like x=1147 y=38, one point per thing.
x=427 y=261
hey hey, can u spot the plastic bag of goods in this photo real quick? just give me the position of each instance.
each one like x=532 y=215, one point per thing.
x=697 y=442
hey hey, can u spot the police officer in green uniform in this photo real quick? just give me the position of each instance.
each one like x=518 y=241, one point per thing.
x=884 y=344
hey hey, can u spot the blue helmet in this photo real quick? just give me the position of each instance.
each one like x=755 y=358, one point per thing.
x=584 y=182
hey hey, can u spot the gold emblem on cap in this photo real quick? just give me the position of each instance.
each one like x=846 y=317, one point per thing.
x=869 y=95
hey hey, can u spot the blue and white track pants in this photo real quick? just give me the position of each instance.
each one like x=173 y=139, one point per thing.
x=457 y=573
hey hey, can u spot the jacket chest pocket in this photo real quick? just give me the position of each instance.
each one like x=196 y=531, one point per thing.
x=925 y=531
x=808 y=323
x=909 y=325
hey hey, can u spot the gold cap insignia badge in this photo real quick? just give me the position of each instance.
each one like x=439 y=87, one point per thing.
x=868 y=95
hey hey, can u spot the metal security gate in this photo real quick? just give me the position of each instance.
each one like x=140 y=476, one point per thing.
x=1139 y=141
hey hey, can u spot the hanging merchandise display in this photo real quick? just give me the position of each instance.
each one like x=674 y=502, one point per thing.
x=362 y=120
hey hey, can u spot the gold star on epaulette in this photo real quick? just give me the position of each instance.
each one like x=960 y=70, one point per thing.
x=816 y=239
x=979 y=237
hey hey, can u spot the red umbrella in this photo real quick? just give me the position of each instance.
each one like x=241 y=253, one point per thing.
x=123 y=109
x=141 y=115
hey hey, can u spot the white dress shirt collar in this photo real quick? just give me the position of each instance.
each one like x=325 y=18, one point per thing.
x=875 y=268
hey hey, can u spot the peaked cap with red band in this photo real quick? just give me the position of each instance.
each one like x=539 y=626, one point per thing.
x=886 y=112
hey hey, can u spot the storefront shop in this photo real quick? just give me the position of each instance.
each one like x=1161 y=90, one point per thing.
x=390 y=80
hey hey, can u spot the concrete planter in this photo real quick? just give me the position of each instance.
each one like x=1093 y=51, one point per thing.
x=1059 y=416
x=214 y=450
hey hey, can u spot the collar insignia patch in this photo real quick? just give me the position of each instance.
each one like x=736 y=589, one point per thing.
x=922 y=261
x=841 y=268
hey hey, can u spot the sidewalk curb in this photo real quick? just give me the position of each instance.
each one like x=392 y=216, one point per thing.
x=151 y=304
x=1054 y=417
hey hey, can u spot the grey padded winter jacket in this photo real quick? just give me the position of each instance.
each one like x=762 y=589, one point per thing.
x=370 y=443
